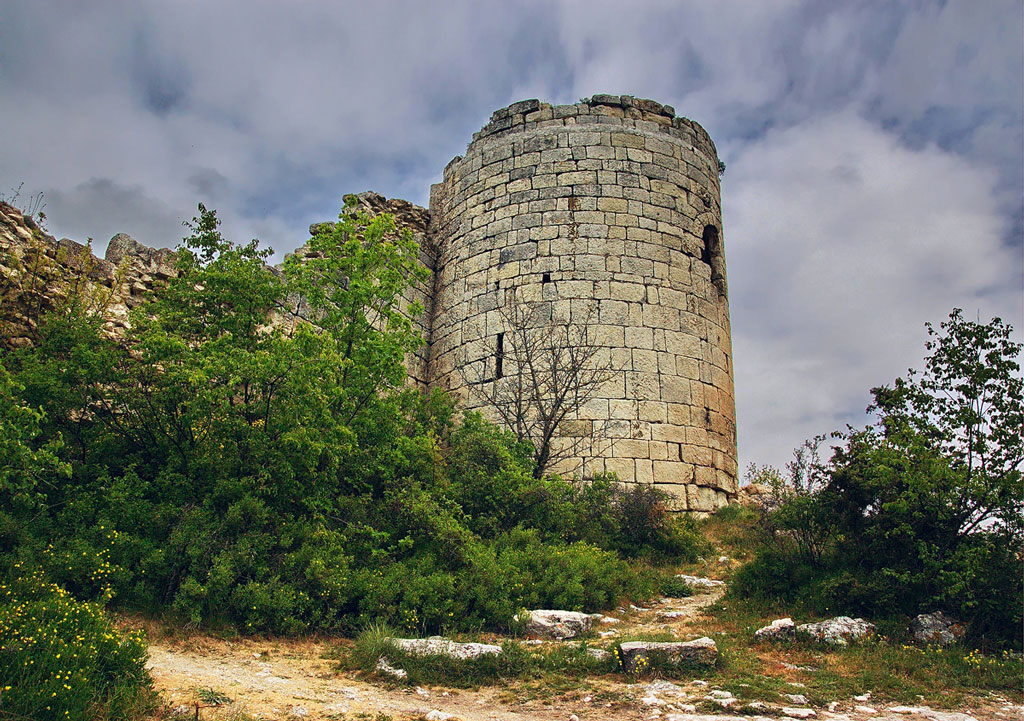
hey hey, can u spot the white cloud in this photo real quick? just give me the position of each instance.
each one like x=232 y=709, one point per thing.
x=841 y=243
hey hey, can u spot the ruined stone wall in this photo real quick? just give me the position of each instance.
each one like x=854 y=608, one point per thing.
x=416 y=220
x=37 y=272
x=612 y=202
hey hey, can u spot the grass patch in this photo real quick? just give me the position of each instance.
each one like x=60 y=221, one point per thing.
x=891 y=670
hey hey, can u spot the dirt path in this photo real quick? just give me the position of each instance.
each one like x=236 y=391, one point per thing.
x=292 y=679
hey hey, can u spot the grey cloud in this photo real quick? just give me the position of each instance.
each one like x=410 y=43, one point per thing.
x=100 y=208
x=841 y=242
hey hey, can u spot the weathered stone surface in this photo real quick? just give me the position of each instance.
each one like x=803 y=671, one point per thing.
x=37 y=271
x=621 y=209
x=559 y=624
x=696 y=582
x=701 y=651
x=838 y=631
x=124 y=247
x=444 y=647
x=778 y=630
x=937 y=628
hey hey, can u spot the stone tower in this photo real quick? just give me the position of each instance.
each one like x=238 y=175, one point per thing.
x=611 y=204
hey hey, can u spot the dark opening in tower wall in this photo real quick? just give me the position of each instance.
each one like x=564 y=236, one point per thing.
x=711 y=253
x=499 y=357
x=710 y=248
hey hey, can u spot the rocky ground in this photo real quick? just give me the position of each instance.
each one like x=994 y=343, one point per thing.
x=282 y=679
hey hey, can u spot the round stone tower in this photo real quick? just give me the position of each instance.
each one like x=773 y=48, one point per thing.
x=607 y=210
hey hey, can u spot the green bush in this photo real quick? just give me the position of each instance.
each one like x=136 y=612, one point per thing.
x=671 y=586
x=62 y=659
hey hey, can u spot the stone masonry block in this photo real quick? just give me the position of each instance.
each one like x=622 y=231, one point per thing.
x=627 y=140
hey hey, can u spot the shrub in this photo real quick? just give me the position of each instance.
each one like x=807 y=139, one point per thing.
x=62 y=659
x=575 y=577
x=670 y=585
x=225 y=471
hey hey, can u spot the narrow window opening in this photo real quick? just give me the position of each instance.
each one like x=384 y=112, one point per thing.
x=710 y=248
x=711 y=252
x=499 y=357
x=545 y=279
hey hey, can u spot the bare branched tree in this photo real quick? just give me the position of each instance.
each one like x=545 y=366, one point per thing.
x=544 y=372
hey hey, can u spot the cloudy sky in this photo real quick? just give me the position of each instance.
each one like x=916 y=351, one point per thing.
x=874 y=149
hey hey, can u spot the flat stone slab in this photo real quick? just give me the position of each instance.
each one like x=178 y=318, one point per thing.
x=701 y=651
x=444 y=647
x=560 y=624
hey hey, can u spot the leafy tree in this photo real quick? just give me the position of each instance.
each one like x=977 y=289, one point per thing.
x=967 y=406
x=922 y=510
x=28 y=466
x=252 y=453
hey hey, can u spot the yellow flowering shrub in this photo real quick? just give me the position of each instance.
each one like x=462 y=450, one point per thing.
x=63 y=659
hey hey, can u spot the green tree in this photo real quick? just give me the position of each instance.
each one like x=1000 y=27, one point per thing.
x=351 y=278
x=967 y=407
x=922 y=510
x=28 y=465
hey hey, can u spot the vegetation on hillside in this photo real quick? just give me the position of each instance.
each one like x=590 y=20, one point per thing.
x=239 y=462
x=282 y=476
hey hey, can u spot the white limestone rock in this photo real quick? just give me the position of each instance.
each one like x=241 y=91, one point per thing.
x=937 y=628
x=559 y=625
x=701 y=651
x=698 y=583
x=778 y=630
x=386 y=669
x=444 y=647
x=838 y=631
